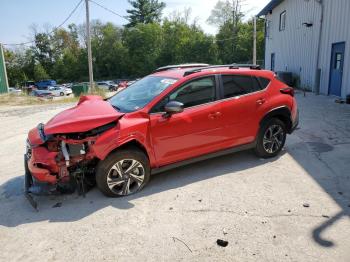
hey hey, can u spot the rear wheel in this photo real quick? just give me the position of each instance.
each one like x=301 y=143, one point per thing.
x=271 y=138
x=61 y=94
x=123 y=173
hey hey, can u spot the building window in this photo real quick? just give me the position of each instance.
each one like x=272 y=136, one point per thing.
x=268 y=26
x=338 y=60
x=283 y=21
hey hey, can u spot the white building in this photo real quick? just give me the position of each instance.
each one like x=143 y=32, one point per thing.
x=310 y=38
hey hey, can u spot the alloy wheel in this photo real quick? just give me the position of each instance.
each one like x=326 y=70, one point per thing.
x=273 y=138
x=126 y=177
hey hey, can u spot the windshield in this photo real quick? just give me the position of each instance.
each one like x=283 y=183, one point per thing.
x=140 y=93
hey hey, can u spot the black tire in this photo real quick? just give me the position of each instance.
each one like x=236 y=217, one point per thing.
x=277 y=143
x=104 y=172
x=61 y=94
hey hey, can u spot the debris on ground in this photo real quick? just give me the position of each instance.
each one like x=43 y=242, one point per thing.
x=325 y=216
x=289 y=211
x=224 y=231
x=175 y=238
x=306 y=205
x=340 y=193
x=221 y=243
x=199 y=200
x=339 y=101
x=274 y=236
x=170 y=208
x=59 y=204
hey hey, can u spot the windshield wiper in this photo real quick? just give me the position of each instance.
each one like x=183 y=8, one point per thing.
x=115 y=107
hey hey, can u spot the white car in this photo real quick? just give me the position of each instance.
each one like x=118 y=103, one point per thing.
x=13 y=90
x=60 y=90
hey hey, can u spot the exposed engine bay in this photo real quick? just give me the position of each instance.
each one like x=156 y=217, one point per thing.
x=61 y=163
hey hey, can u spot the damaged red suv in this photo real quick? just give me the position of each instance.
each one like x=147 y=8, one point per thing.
x=175 y=116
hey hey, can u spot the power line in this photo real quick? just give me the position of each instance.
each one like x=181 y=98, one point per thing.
x=53 y=30
x=109 y=10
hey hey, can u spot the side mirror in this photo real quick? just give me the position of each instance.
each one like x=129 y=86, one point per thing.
x=173 y=107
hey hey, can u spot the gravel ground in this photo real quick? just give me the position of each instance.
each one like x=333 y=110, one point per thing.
x=292 y=208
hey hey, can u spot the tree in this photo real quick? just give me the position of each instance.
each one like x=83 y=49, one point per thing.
x=40 y=73
x=144 y=12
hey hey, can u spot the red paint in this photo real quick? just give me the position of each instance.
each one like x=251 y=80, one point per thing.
x=196 y=131
x=91 y=112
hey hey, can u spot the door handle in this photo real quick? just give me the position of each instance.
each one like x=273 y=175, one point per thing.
x=261 y=101
x=211 y=116
x=214 y=115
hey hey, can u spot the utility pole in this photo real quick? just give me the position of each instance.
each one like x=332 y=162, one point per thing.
x=234 y=13
x=254 y=42
x=88 y=40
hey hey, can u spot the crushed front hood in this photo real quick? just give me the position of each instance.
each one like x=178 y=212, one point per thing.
x=91 y=112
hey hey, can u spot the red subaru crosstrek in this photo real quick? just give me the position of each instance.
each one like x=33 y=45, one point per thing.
x=175 y=116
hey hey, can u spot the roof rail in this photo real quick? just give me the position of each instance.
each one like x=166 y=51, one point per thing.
x=230 y=66
x=169 y=67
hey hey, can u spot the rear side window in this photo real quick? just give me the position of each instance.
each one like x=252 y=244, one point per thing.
x=264 y=82
x=237 y=85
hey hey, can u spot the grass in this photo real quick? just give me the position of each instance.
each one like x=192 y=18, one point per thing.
x=24 y=100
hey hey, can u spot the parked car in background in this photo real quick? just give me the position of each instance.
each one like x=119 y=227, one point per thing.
x=69 y=85
x=44 y=84
x=173 y=117
x=58 y=90
x=103 y=85
x=13 y=90
x=28 y=86
x=107 y=85
x=42 y=94
x=122 y=85
x=132 y=81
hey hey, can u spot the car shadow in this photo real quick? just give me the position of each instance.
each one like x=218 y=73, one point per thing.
x=334 y=183
x=73 y=207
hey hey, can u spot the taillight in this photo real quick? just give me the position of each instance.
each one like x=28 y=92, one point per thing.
x=288 y=91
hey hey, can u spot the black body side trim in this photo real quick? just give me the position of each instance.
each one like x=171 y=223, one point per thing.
x=204 y=157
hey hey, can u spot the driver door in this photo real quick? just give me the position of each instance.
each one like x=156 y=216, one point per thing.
x=195 y=131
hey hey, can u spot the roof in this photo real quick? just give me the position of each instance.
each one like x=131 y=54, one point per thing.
x=270 y=6
x=179 y=73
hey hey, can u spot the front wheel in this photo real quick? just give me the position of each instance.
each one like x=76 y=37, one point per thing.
x=123 y=173
x=271 y=138
x=61 y=94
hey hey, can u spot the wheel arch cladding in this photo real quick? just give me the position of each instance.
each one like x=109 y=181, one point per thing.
x=281 y=113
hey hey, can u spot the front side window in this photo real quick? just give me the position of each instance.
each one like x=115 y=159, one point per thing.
x=140 y=93
x=238 y=85
x=283 y=16
x=194 y=93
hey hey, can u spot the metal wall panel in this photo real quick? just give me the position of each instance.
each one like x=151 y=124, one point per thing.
x=336 y=28
x=296 y=48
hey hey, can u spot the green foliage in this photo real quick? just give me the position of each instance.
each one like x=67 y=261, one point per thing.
x=133 y=51
x=40 y=73
x=144 y=12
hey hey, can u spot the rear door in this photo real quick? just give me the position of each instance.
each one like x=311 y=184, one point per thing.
x=242 y=107
x=194 y=132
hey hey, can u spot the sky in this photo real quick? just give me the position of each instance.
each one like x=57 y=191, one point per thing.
x=17 y=16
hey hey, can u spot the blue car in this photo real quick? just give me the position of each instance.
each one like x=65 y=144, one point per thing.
x=44 y=84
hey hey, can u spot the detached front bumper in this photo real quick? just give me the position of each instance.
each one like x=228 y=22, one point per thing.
x=33 y=187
